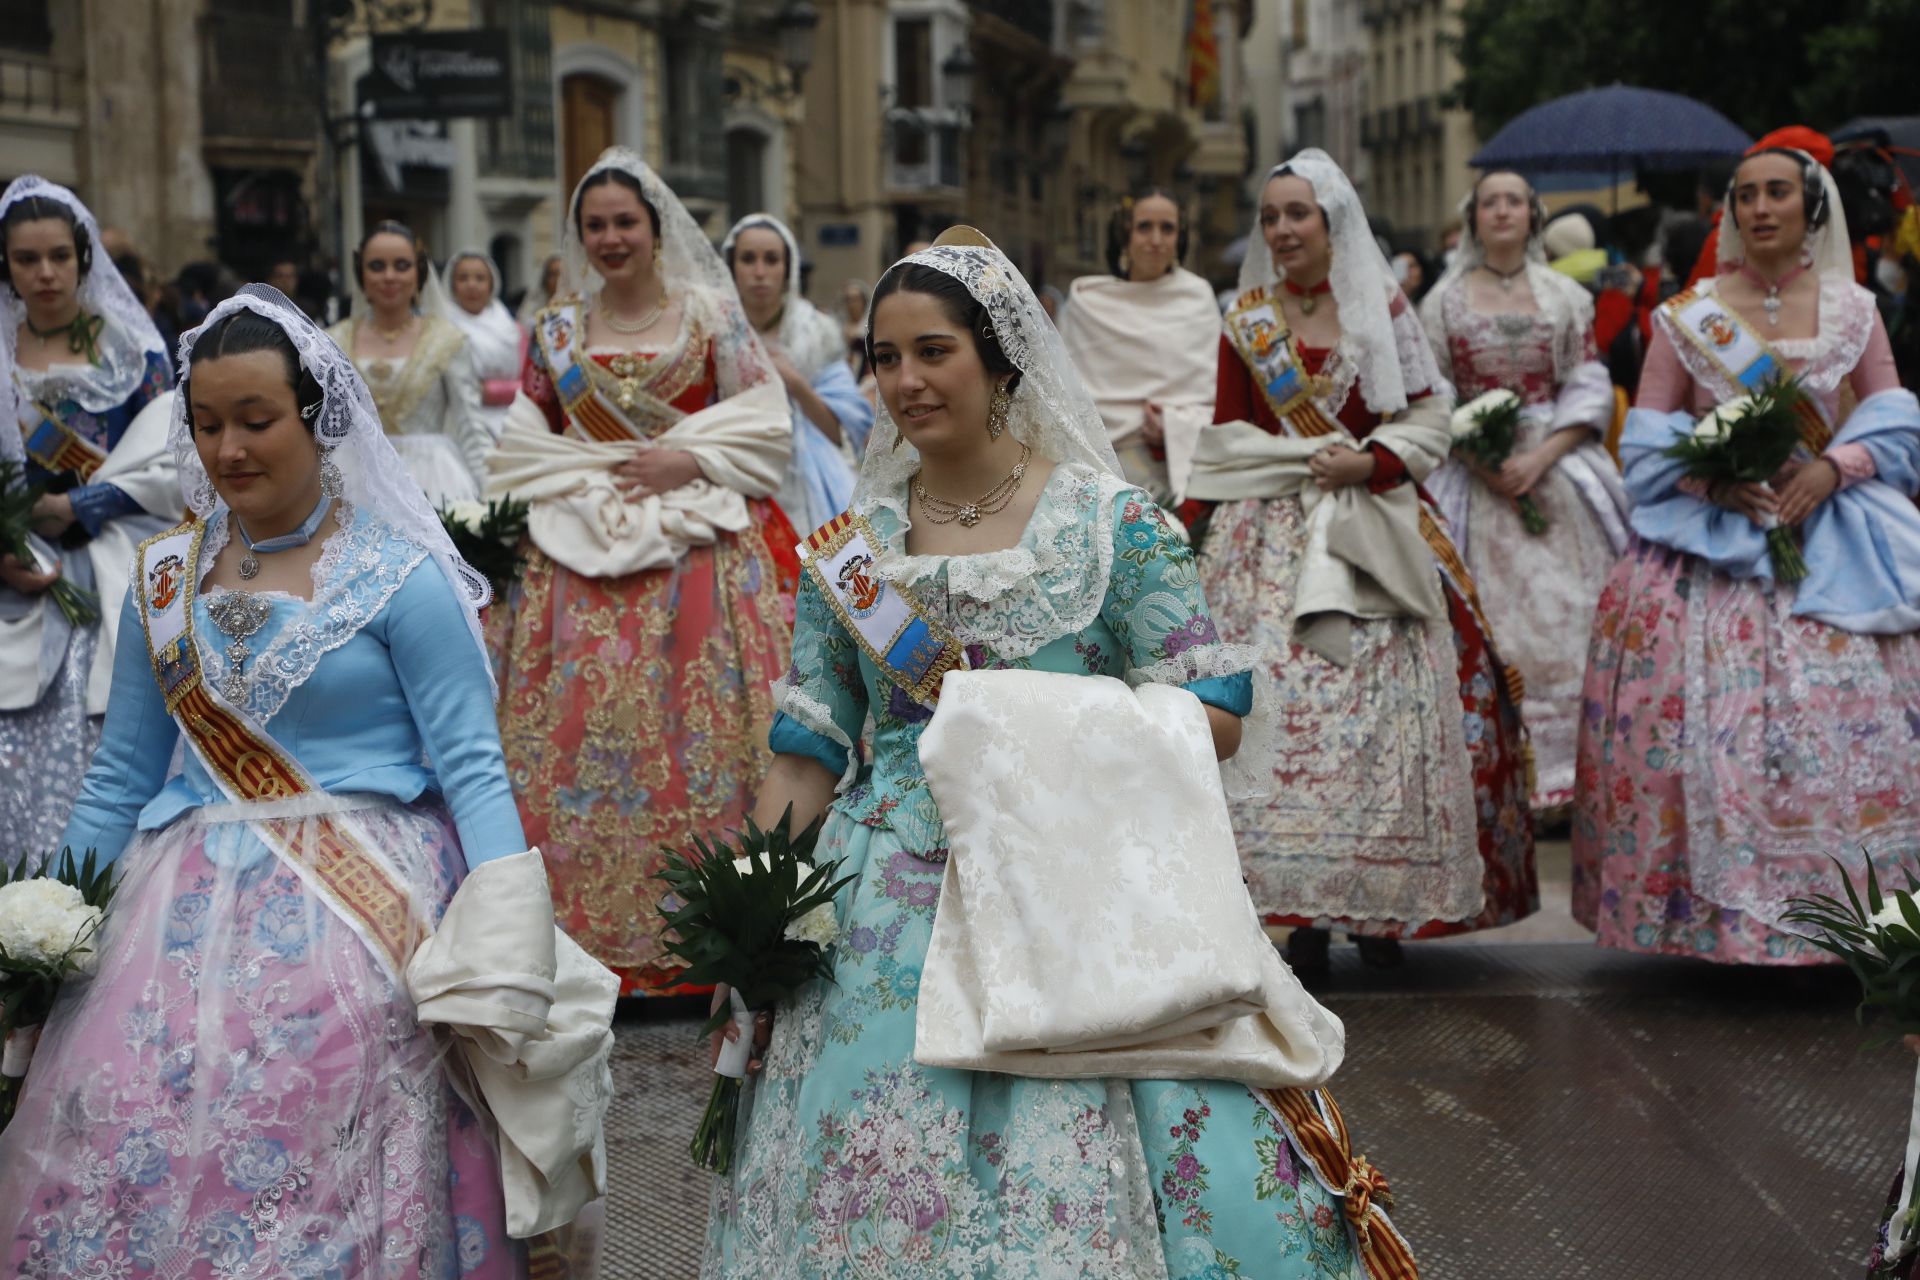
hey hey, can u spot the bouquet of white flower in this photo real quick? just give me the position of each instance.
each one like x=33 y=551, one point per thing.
x=1485 y=430
x=1880 y=941
x=760 y=922
x=81 y=607
x=48 y=924
x=1746 y=441
x=487 y=536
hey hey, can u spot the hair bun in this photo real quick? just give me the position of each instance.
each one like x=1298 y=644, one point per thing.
x=960 y=234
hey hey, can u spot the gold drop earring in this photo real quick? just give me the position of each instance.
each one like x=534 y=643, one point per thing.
x=997 y=412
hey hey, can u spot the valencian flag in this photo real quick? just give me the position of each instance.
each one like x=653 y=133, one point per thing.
x=1203 y=56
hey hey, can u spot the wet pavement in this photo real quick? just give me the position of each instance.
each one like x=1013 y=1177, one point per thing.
x=1543 y=1108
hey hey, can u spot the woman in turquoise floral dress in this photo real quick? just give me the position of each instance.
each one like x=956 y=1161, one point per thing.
x=1001 y=509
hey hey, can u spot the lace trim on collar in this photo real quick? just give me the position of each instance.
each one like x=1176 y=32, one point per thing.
x=1050 y=584
x=1825 y=360
x=359 y=569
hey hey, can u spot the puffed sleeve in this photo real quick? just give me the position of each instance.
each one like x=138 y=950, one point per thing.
x=1157 y=611
x=136 y=749
x=822 y=704
x=444 y=676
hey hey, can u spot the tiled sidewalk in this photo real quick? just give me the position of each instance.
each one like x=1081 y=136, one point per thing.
x=1544 y=1110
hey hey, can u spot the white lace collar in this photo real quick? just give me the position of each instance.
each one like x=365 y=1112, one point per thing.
x=1049 y=584
x=360 y=567
x=1825 y=360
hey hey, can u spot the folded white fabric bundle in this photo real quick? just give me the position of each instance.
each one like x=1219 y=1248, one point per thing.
x=532 y=1019
x=1093 y=921
x=582 y=520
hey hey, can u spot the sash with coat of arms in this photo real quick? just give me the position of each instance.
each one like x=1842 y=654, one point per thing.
x=908 y=644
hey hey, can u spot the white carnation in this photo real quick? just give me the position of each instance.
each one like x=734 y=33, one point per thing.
x=1466 y=419
x=819 y=925
x=42 y=920
x=467 y=514
x=1889 y=912
x=1718 y=425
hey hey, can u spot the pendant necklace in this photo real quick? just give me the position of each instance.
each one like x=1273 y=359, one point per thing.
x=239 y=614
x=969 y=514
x=391 y=336
x=1772 y=301
x=641 y=325
x=1505 y=279
x=250 y=563
x=1309 y=298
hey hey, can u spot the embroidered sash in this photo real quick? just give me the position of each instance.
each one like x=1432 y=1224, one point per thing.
x=56 y=446
x=1259 y=333
x=331 y=852
x=562 y=330
x=1737 y=351
x=1314 y=1126
x=914 y=649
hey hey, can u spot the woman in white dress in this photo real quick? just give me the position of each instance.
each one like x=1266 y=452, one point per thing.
x=495 y=341
x=417 y=364
x=831 y=418
x=1147 y=341
x=1501 y=319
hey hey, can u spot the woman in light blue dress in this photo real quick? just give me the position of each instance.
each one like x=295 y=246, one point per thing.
x=853 y=1160
x=831 y=419
x=243 y=1088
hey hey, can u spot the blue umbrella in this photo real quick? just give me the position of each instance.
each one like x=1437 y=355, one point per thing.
x=1609 y=130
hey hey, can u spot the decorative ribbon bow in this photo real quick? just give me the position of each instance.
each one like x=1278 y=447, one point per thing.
x=1318 y=1132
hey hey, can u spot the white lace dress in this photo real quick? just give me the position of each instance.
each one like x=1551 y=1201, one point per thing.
x=1538 y=590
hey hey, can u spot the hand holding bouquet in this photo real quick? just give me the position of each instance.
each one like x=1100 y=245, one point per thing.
x=17 y=499
x=1747 y=441
x=47 y=927
x=758 y=917
x=1880 y=942
x=1485 y=431
x=487 y=536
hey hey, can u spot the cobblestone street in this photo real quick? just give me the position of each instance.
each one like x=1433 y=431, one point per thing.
x=1544 y=1109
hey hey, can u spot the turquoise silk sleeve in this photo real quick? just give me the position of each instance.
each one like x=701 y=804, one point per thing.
x=444 y=676
x=822 y=703
x=136 y=747
x=1157 y=610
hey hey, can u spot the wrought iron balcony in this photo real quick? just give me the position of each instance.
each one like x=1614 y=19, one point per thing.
x=259 y=79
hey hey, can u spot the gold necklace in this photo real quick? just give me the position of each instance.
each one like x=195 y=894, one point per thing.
x=641 y=325
x=392 y=335
x=969 y=514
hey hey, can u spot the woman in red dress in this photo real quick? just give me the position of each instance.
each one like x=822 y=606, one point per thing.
x=1399 y=806
x=636 y=652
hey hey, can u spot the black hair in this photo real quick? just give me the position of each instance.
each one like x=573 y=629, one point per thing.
x=392 y=228
x=762 y=224
x=1682 y=239
x=134 y=272
x=1286 y=171
x=1536 y=208
x=245 y=331
x=960 y=306
x=1120 y=227
x=600 y=178
x=37 y=208
x=1813 y=192
x=1716 y=176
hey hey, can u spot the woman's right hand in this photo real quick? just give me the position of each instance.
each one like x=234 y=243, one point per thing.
x=24 y=578
x=1753 y=500
x=762 y=1033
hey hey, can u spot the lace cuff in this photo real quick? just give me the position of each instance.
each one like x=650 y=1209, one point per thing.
x=813 y=717
x=1248 y=775
x=1853 y=462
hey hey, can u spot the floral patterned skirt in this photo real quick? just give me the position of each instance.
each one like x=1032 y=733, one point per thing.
x=242 y=1091
x=1729 y=751
x=1399 y=806
x=44 y=752
x=634 y=714
x=855 y=1161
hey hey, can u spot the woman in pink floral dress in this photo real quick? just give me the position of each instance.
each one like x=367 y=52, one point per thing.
x=1739 y=733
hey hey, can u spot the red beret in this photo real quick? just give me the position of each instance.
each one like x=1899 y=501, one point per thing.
x=1800 y=138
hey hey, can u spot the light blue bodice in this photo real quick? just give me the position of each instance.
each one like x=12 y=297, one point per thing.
x=406 y=687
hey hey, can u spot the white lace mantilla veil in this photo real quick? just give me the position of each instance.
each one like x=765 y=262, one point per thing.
x=810 y=338
x=1381 y=351
x=1561 y=299
x=688 y=265
x=377 y=484
x=1831 y=245
x=126 y=338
